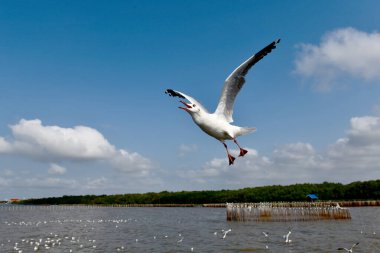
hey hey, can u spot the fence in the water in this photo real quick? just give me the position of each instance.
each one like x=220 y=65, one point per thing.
x=286 y=211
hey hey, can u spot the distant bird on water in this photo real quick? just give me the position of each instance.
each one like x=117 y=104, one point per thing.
x=217 y=124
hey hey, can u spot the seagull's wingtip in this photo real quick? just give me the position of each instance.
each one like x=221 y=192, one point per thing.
x=173 y=93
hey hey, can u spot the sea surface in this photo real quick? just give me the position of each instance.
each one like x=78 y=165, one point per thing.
x=173 y=229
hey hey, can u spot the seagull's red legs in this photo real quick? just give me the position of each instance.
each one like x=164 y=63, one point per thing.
x=231 y=159
x=242 y=151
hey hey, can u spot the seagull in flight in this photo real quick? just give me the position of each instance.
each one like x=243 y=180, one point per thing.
x=225 y=233
x=287 y=240
x=218 y=124
x=266 y=236
x=350 y=249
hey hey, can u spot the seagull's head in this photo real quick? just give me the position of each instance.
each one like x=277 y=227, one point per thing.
x=190 y=108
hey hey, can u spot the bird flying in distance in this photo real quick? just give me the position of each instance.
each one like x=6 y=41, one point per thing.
x=350 y=249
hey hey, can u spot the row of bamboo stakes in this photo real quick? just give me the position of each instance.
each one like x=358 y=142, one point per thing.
x=286 y=211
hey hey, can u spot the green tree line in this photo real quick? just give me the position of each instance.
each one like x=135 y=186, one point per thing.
x=368 y=190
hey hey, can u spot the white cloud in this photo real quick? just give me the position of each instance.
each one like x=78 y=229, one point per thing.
x=364 y=130
x=343 y=52
x=98 y=183
x=359 y=152
x=49 y=182
x=39 y=185
x=8 y=173
x=130 y=162
x=3 y=182
x=186 y=149
x=249 y=170
x=56 y=169
x=80 y=143
x=4 y=145
x=376 y=109
x=293 y=152
x=356 y=156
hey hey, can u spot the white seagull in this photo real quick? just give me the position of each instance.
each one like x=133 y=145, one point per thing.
x=266 y=236
x=287 y=240
x=225 y=233
x=350 y=249
x=217 y=124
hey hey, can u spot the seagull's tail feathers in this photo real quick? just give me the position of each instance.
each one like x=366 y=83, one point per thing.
x=247 y=130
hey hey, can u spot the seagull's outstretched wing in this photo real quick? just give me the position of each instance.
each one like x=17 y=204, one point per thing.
x=349 y=250
x=236 y=80
x=353 y=246
x=174 y=93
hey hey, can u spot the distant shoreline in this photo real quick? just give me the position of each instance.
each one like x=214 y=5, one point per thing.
x=353 y=203
x=352 y=194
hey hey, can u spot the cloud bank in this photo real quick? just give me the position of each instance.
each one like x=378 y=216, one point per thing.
x=56 y=169
x=356 y=156
x=343 y=52
x=55 y=144
x=187 y=149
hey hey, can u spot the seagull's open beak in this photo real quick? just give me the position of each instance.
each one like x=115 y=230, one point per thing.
x=187 y=106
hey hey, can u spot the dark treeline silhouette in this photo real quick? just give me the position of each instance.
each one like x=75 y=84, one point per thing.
x=368 y=190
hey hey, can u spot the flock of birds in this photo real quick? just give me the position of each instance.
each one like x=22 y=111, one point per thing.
x=71 y=243
x=66 y=243
x=55 y=241
x=62 y=241
x=90 y=235
x=50 y=242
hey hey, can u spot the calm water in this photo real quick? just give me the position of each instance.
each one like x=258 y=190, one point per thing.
x=107 y=229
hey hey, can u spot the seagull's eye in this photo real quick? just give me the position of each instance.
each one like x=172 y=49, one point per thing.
x=194 y=105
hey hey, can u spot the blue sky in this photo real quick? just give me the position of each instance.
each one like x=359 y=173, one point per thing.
x=83 y=109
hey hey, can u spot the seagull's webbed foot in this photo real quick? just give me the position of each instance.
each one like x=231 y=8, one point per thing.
x=243 y=152
x=231 y=159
